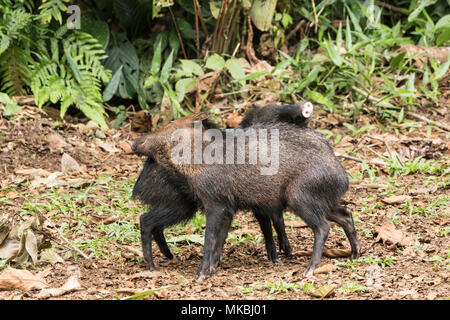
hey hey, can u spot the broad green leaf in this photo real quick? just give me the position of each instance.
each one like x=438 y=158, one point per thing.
x=235 y=68
x=395 y=62
x=144 y=294
x=262 y=13
x=156 y=61
x=215 y=7
x=443 y=23
x=187 y=238
x=355 y=20
x=339 y=37
x=443 y=37
x=422 y=5
x=311 y=77
x=333 y=53
x=184 y=86
x=442 y=69
x=191 y=67
x=12 y=109
x=167 y=67
x=173 y=99
x=389 y=84
x=215 y=62
x=98 y=29
x=348 y=35
x=319 y=98
x=151 y=81
x=112 y=86
x=252 y=75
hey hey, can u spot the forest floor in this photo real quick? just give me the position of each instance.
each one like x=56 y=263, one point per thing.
x=401 y=211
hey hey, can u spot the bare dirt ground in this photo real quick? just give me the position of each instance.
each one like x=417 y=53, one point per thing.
x=97 y=216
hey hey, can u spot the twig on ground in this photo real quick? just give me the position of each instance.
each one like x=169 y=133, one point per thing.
x=437 y=124
x=391 y=7
x=372 y=161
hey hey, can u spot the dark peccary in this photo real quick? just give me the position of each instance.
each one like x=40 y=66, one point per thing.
x=293 y=113
x=310 y=181
x=172 y=203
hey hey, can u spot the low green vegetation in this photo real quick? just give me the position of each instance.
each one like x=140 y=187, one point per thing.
x=174 y=57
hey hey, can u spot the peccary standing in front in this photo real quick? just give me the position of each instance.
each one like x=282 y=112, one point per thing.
x=310 y=181
x=171 y=200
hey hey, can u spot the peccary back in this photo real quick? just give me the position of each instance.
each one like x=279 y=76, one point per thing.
x=309 y=179
x=172 y=201
x=298 y=114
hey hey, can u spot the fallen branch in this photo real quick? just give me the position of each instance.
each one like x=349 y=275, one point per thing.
x=391 y=7
x=374 y=99
x=425 y=119
x=372 y=161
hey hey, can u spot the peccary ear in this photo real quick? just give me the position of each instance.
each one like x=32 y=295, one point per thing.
x=307 y=109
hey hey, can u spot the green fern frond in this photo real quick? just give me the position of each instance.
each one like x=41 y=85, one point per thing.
x=14 y=71
x=52 y=9
x=76 y=79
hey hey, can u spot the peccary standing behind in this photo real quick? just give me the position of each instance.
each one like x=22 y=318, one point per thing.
x=172 y=202
x=310 y=181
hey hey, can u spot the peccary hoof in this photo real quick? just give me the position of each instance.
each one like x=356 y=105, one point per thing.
x=277 y=260
x=309 y=273
x=152 y=267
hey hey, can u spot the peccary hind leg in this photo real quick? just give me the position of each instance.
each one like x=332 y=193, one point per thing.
x=343 y=217
x=266 y=228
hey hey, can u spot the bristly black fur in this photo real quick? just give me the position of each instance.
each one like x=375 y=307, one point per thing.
x=172 y=201
x=290 y=113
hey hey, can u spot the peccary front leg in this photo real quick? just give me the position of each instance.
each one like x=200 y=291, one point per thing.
x=153 y=224
x=146 y=239
x=158 y=236
x=343 y=217
x=218 y=221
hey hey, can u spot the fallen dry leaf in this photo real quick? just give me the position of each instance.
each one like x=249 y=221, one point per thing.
x=105 y=219
x=427 y=190
x=108 y=147
x=56 y=142
x=330 y=253
x=125 y=146
x=233 y=120
x=142 y=121
x=51 y=257
x=69 y=164
x=389 y=235
x=325 y=269
x=24 y=280
x=32 y=171
x=396 y=199
x=295 y=223
x=134 y=250
x=323 y=292
x=72 y=284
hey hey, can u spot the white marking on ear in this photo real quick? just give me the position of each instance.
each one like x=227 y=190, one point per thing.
x=307 y=110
